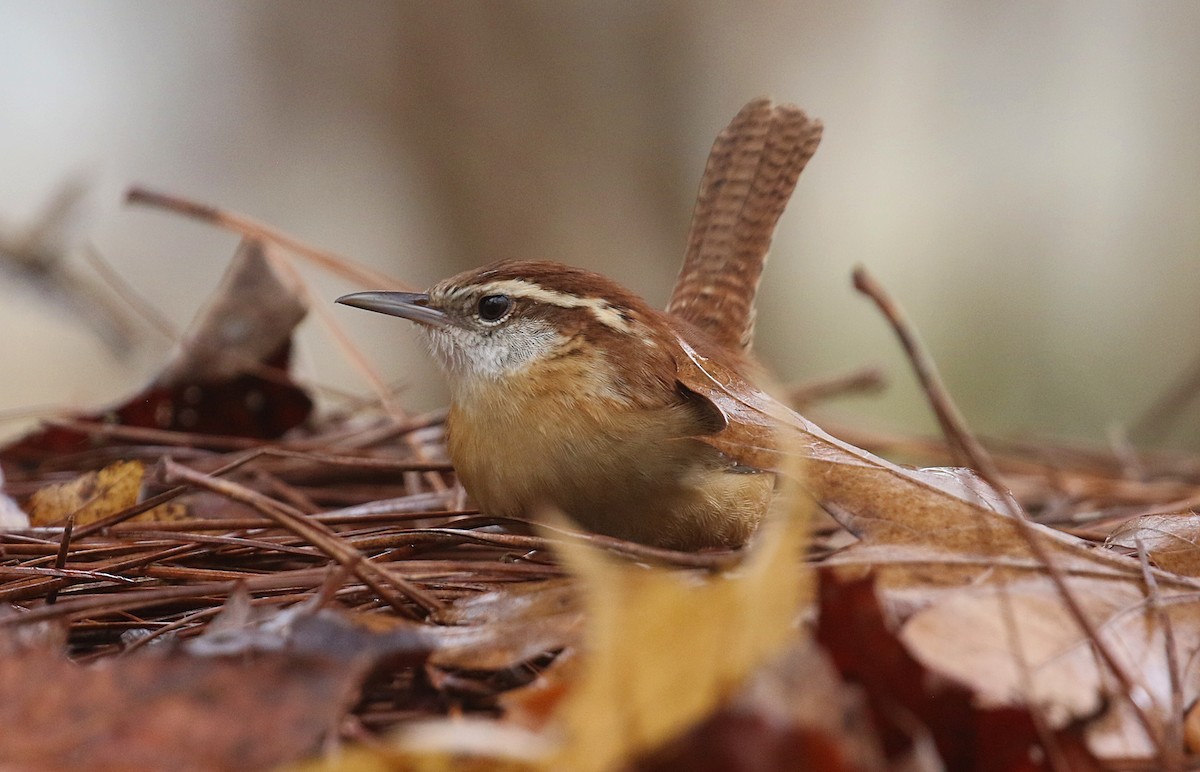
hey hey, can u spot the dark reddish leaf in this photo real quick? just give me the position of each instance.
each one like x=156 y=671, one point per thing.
x=904 y=696
x=229 y=379
x=168 y=712
x=243 y=406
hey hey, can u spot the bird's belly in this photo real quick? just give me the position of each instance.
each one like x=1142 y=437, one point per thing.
x=611 y=479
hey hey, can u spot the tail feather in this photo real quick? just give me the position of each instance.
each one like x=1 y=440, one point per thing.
x=751 y=172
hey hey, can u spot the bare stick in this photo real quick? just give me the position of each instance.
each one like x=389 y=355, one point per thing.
x=113 y=568
x=865 y=380
x=962 y=443
x=978 y=458
x=60 y=560
x=1173 y=731
x=1156 y=420
x=335 y=264
x=150 y=314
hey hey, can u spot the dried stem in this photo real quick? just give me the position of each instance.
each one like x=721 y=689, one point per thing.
x=1173 y=758
x=959 y=436
x=142 y=307
x=60 y=559
x=866 y=380
x=249 y=228
x=954 y=427
x=1156 y=421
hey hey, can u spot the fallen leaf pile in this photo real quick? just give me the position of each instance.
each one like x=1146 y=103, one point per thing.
x=210 y=577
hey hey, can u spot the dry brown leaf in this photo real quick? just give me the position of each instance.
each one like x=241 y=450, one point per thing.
x=249 y=316
x=965 y=607
x=970 y=636
x=963 y=580
x=167 y=711
x=919 y=714
x=1171 y=541
x=508 y=628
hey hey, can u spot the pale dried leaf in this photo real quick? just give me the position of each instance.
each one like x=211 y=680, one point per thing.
x=96 y=495
x=251 y=314
x=1171 y=541
x=507 y=628
x=971 y=637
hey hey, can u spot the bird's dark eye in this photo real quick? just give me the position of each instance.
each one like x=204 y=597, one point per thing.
x=493 y=307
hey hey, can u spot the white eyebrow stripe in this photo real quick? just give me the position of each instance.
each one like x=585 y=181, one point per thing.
x=605 y=312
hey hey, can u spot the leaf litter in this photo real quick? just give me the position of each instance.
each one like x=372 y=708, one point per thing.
x=319 y=588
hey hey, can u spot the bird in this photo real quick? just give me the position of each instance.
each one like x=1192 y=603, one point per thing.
x=570 y=392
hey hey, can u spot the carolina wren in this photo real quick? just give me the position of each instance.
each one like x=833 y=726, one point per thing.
x=569 y=391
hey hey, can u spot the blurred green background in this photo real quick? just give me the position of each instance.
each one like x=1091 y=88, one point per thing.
x=1023 y=176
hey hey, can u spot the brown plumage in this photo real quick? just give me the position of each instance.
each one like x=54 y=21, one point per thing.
x=751 y=172
x=570 y=392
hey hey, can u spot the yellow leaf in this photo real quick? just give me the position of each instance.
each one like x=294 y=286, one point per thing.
x=90 y=496
x=665 y=648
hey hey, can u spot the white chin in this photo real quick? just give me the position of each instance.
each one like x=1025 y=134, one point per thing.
x=469 y=354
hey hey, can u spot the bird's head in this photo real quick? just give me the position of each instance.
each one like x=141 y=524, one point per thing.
x=511 y=318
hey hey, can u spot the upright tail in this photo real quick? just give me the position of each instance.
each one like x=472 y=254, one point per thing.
x=751 y=172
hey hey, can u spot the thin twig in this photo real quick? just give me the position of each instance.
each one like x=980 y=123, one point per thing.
x=1154 y=423
x=959 y=436
x=962 y=442
x=249 y=228
x=866 y=380
x=149 y=313
x=60 y=559
x=64 y=573
x=1173 y=731
x=13 y=594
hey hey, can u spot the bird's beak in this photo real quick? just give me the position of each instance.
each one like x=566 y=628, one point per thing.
x=413 y=306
